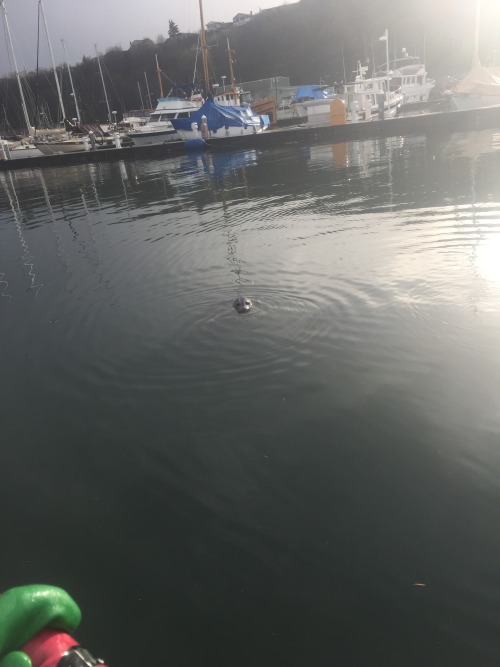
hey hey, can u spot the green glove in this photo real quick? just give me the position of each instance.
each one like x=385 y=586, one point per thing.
x=26 y=610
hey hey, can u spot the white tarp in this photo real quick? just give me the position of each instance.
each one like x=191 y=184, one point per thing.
x=480 y=81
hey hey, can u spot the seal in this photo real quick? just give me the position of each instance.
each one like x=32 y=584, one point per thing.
x=242 y=304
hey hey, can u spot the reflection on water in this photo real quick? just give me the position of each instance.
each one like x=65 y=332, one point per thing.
x=270 y=489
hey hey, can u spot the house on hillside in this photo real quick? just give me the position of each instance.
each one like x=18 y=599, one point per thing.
x=241 y=19
x=138 y=43
x=215 y=25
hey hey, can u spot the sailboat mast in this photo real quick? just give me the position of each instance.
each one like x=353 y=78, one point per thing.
x=71 y=82
x=204 y=54
x=159 y=75
x=21 y=92
x=140 y=95
x=61 y=104
x=103 y=85
x=475 y=59
x=147 y=90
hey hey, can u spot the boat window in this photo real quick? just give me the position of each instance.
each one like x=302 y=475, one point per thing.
x=420 y=80
x=154 y=119
x=183 y=114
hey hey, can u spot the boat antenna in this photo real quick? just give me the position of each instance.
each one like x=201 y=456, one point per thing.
x=204 y=54
x=61 y=104
x=159 y=75
x=71 y=82
x=21 y=92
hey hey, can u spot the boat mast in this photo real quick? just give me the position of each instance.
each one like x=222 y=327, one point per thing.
x=147 y=90
x=21 y=92
x=103 y=85
x=140 y=95
x=231 y=71
x=79 y=118
x=385 y=38
x=61 y=104
x=204 y=54
x=475 y=58
x=159 y=75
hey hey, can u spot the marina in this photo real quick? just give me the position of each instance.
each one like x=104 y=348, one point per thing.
x=249 y=330
x=442 y=123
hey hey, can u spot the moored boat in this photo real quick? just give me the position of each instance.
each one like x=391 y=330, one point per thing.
x=216 y=121
x=409 y=75
x=480 y=88
x=363 y=98
x=159 y=129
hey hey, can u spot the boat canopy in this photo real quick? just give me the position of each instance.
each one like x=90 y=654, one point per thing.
x=316 y=92
x=219 y=116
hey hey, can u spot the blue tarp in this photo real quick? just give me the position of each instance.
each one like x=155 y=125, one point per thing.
x=304 y=93
x=219 y=116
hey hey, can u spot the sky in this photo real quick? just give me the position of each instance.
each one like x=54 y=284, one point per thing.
x=82 y=24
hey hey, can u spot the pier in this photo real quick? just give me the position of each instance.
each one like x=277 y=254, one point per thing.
x=441 y=123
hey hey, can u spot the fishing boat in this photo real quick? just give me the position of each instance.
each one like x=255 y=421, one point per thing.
x=217 y=121
x=223 y=114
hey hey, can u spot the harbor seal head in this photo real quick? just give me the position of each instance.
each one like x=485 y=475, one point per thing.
x=242 y=304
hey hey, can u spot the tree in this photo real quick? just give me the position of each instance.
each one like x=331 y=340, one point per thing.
x=173 y=29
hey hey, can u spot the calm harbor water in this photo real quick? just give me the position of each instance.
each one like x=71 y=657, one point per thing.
x=314 y=483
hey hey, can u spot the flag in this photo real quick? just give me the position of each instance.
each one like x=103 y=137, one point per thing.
x=384 y=37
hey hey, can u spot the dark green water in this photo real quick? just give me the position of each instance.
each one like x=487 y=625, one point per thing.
x=261 y=490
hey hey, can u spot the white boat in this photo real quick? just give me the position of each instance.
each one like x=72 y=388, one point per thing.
x=409 y=75
x=159 y=129
x=22 y=149
x=63 y=146
x=366 y=93
x=481 y=87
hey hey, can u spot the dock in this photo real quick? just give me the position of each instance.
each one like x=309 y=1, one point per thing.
x=435 y=123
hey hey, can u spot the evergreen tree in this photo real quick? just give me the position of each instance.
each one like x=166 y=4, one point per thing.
x=173 y=29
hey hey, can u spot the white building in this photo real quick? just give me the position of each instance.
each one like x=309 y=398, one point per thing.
x=241 y=19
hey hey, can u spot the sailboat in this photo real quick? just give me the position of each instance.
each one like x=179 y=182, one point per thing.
x=24 y=147
x=481 y=87
x=159 y=129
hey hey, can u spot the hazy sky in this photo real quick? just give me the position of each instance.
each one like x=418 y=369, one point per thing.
x=83 y=23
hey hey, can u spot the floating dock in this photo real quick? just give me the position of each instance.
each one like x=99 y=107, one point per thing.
x=441 y=123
